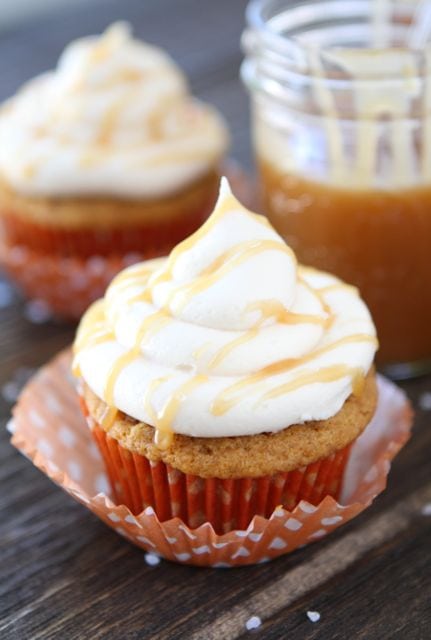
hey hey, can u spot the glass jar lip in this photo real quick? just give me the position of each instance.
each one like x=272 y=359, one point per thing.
x=258 y=23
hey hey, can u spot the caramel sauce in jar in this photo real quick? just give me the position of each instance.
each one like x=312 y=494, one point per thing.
x=341 y=121
x=379 y=241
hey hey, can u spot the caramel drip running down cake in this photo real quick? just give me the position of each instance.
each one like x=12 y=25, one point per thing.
x=193 y=358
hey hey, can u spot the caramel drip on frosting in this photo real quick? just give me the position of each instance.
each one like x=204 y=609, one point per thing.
x=269 y=309
x=151 y=389
x=326 y=374
x=336 y=287
x=114 y=372
x=230 y=346
x=165 y=418
x=29 y=170
x=110 y=120
x=231 y=396
x=108 y=417
x=150 y=326
x=275 y=309
x=222 y=266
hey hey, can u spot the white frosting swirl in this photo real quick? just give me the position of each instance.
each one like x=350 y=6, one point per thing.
x=114 y=118
x=227 y=336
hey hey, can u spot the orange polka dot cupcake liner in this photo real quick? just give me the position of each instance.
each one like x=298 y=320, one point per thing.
x=68 y=283
x=227 y=504
x=191 y=520
x=157 y=237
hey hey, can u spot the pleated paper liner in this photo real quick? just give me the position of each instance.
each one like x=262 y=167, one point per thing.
x=50 y=429
x=157 y=235
x=226 y=504
x=68 y=271
x=67 y=286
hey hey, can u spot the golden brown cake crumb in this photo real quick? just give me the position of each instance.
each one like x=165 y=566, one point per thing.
x=247 y=456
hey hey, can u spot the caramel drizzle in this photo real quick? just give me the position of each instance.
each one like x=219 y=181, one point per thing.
x=110 y=120
x=220 y=267
x=163 y=424
x=108 y=417
x=149 y=327
x=115 y=370
x=148 y=395
x=155 y=322
x=275 y=309
x=231 y=396
x=337 y=287
x=326 y=374
x=29 y=170
x=268 y=309
x=230 y=346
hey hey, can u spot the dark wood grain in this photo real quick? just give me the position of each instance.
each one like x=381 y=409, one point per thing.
x=64 y=574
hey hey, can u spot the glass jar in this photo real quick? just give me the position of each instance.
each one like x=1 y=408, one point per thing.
x=341 y=112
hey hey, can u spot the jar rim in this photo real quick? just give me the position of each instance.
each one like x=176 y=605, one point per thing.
x=291 y=44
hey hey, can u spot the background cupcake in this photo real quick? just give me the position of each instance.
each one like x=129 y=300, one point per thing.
x=109 y=156
x=226 y=380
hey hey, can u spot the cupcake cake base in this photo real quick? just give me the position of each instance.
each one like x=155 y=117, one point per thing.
x=199 y=479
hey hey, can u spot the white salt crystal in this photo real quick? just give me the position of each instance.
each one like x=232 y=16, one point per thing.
x=253 y=623
x=313 y=616
x=152 y=559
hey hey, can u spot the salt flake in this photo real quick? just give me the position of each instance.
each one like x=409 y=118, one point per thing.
x=152 y=559
x=313 y=616
x=253 y=623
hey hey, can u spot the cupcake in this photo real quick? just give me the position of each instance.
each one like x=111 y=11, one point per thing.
x=108 y=155
x=226 y=379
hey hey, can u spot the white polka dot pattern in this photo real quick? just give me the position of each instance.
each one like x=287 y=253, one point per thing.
x=55 y=437
x=63 y=286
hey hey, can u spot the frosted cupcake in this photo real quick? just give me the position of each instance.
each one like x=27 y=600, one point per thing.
x=107 y=155
x=226 y=379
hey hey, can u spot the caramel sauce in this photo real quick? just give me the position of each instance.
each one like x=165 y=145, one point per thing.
x=149 y=327
x=165 y=418
x=76 y=369
x=109 y=121
x=29 y=170
x=200 y=350
x=378 y=240
x=151 y=389
x=275 y=309
x=108 y=417
x=229 y=397
x=326 y=374
x=223 y=265
x=231 y=346
x=114 y=372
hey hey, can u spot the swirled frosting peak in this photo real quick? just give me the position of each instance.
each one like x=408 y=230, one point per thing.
x=114 y=118
x=227 y=336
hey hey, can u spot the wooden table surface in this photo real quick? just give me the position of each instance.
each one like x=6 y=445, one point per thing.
x=64 y=574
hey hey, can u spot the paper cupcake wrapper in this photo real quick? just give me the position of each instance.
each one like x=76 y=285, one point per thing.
x=49 y=428
x=152 y=239
x=226 y=504
x=67 y=284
